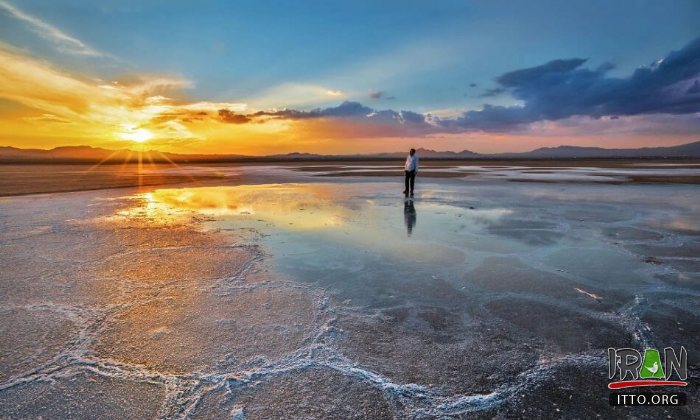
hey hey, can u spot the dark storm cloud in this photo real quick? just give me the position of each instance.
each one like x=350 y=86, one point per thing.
x=563 y=88
x=357 y=112
x=344 y=110
x=694 y=89
x=552 y=91
x=525 y=76
x=347 y=109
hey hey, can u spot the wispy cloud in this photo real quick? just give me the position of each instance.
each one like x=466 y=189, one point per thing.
x=60 y=39
x=98 y=109
x=297 y=95
x=380 y=94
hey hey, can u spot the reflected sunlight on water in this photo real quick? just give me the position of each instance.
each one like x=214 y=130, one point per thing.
x=293 y=206
x=320 y=217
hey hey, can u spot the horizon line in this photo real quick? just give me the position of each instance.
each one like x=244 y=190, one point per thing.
x=126 y=150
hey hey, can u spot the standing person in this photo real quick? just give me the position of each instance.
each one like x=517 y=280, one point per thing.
x=411 y=168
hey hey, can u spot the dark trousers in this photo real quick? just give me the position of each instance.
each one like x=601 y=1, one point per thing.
x=410 y=181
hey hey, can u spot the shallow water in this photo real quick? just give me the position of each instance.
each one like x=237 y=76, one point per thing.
x=607 y=172
x=475 y=298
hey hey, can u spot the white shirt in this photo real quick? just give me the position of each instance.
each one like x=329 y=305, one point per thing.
x=411 y=163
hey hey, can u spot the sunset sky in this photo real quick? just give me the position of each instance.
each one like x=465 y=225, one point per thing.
x=264 y=77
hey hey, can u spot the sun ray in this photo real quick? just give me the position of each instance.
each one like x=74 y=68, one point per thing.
x=150 y=159
x=95 y=166
x=126 y=162
x=140 y=168
x=191 y=178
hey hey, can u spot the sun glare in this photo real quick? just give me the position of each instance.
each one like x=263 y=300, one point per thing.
x=140 y=135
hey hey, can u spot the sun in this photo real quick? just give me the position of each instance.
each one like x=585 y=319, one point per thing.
x=140 y=135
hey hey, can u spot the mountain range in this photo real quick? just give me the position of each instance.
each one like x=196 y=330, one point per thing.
x=85 y=154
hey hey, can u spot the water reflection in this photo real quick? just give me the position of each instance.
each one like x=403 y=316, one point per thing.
x=291 y=206
x=476 y=242
x=297 y=220
x=409 y=216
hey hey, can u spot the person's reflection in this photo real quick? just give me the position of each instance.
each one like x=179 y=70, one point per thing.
x=409 y=216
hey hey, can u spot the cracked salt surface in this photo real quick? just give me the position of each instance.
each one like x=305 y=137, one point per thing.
x=311 y=299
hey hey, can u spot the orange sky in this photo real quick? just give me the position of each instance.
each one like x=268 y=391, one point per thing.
x=44 y=106
x=335 y=78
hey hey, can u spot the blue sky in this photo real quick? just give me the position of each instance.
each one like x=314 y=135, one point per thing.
x=436 y=57
x=432 y=51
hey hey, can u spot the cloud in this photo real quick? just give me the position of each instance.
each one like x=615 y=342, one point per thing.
x=694 y=89
x=396 y=62
x=380 y=94
x=37 y=84
x=519 y=77
x=488 y=93
x=563 y=88
x=344 y=110
x=297 y=95
x=63 y=41
x=99 y=109
x=231 y=117
x=552 y=96
x=48 y=118
x=557 y=90
x=349 y=110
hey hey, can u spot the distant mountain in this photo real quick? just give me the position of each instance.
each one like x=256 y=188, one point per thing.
x=432 y=154
x=60 y=153
x=78 y=154
x=423 y=153
x=575 y=152
x=70 y=154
